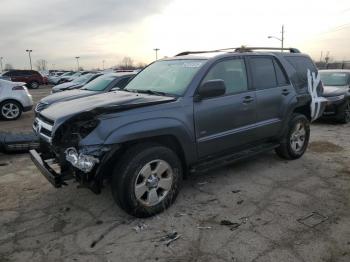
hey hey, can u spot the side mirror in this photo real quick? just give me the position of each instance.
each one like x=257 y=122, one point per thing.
x=211 y=88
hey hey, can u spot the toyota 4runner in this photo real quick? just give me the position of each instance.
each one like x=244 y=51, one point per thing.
x=189 y=113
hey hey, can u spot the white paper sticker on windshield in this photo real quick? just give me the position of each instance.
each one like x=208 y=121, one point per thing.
x=193 y=64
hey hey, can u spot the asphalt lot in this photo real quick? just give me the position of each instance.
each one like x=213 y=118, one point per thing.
x=261 y=209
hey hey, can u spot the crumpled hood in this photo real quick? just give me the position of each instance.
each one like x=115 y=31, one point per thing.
x=66 y=95
x=102 y=103
x=335 y=90
x=64 y=86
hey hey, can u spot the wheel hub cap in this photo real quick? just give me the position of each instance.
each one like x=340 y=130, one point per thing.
x=153 y=182
x=10 y=111
x=297 y=139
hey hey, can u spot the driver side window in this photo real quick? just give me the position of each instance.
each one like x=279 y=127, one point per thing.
x=232 y=72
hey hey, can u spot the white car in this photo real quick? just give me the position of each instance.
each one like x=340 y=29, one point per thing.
x=14 y=99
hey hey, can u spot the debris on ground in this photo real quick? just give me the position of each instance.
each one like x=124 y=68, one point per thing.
x=236 y=191
x=240 y=202
x=244 y=220
x=230 y=224
x=169 y=238
x=201 y=227
x=202 y=183
x=179 y=214
x=140 y=227
x=312 y=220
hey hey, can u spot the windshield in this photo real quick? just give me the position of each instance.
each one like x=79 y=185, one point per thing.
x=82 y=79
x=168 y=76
x=334 y=78
x=100 y=83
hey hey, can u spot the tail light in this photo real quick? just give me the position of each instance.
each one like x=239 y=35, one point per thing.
x=18 y=88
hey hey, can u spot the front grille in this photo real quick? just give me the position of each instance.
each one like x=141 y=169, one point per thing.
x=43 y=128
x=40 y=107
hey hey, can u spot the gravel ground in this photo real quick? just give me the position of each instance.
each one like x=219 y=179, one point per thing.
x=261 y=209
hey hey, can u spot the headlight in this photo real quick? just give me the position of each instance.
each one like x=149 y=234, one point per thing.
x=83 y=162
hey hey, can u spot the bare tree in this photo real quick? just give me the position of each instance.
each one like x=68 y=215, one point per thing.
x=41 y=65
x=141 y=65
x=127 y=63
x=8 y=67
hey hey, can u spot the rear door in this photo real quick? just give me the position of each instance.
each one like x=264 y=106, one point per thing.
x=273 y=94
x=225 y=122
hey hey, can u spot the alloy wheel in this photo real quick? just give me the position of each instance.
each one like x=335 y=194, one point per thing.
x=153 y=182
x=10 y=110
x=297 y=138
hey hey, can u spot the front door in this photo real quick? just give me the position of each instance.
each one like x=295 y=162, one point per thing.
x=225 y=122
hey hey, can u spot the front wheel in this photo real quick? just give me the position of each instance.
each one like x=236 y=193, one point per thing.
x=294 y=143
x=147 y=180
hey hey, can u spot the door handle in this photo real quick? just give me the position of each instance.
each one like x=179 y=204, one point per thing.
x=285 y=92
x=248 y=99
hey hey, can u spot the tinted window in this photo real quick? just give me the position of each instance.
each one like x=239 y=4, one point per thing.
x=301 y=65
x=263 y=72
x=281 y=76
x=122 y=82
x=232 y=72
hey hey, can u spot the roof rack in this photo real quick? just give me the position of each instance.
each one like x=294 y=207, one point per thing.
x=241 y=50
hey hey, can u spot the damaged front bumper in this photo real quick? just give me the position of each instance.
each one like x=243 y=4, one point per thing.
x=56 y=179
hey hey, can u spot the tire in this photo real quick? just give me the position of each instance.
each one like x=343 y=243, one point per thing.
x=138 y=188
x=10 y=110
x=344 y=115
x=34 y=85
x=294 y=142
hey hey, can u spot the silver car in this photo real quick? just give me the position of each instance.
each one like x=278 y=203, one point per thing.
x=14 y=99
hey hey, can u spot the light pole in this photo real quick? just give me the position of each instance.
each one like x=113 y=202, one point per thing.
x=1 y=63
x=156 y=50
x=30 y=58
x=77 y=57
x=280 y=39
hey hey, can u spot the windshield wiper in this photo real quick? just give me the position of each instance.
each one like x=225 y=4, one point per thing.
x=150 y=92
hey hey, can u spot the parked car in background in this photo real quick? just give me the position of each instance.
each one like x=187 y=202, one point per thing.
x=76 y=83
x=32 y=78
x=102 y=84
x=56 y=78
x=14 y=99
x=336 y=84
x=188 y=113
x=70 y=78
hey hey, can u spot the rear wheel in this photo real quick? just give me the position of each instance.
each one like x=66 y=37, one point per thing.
x=147 y=180
x=34 y=85
x=10 y=110
x=344 y=115
x=294 y=143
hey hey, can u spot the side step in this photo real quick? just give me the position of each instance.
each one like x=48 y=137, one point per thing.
x=227 y=159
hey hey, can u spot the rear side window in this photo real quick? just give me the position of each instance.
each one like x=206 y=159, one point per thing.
x=282 y=80
x=263 y=72
x=301 y=65
x=232 y=72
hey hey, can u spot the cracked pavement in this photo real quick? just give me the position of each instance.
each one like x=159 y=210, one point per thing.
x=264 y=197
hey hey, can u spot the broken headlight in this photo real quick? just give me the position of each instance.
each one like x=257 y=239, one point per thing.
x=81 y=161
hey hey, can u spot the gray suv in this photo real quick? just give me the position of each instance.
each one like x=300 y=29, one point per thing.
x=189 y=113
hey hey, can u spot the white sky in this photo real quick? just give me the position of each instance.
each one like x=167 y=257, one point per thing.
x=171 y=25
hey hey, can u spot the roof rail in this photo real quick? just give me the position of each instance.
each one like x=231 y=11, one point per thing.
x=240 y=49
